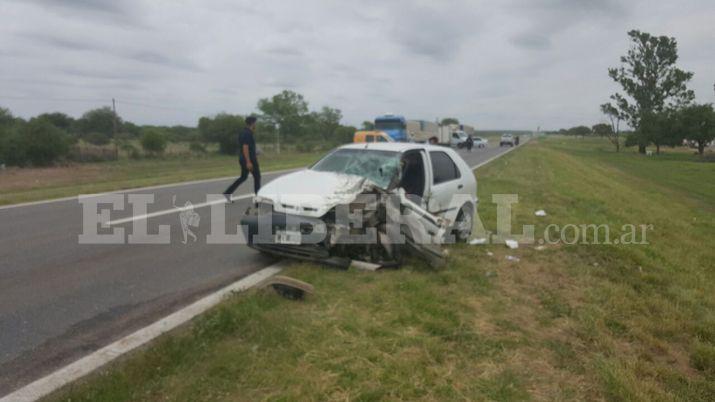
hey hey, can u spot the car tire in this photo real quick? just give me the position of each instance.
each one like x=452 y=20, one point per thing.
x=462 y=229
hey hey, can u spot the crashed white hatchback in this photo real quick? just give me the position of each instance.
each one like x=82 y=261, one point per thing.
x=374 y=202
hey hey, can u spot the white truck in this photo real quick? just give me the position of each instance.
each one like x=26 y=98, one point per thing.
x=453 y=135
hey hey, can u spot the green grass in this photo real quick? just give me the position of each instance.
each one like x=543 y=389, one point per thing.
x=613 y=322
x=32 y=184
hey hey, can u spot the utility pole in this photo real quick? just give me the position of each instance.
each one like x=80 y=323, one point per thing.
x=278 y=138
x=114 y=127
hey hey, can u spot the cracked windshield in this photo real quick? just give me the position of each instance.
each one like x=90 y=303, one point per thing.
x=377 y=166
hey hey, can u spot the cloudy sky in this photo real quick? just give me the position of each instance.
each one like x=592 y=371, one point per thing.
x=514 y=64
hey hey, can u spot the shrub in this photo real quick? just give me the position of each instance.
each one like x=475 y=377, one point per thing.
x=37 y=143
x=96 y=138
x=153 y=142
x=131 y=150
x=197 y=147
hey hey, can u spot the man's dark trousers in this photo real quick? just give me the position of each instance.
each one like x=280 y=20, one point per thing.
x=244 y=175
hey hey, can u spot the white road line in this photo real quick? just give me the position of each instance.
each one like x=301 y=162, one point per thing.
x=175 y=210
x=478 y=165
x=156 y=187
x=99 y=358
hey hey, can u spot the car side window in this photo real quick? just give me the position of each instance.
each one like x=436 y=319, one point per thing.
x=369 y=138
x=443 y=167
x=381 y=139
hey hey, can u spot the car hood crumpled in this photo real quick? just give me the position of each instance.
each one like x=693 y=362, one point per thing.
x=311 y=193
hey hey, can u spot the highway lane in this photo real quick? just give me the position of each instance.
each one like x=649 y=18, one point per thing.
x=60 y=299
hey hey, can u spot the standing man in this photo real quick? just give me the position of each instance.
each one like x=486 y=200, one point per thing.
x=470 y=143
x=246 y=158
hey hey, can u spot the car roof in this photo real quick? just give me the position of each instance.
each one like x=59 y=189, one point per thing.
x=393 y=146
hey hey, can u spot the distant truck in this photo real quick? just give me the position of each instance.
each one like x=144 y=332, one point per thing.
x=393 y=125
x=452 y=135
x=399 y=129
x=422 y=130
x=469 y=130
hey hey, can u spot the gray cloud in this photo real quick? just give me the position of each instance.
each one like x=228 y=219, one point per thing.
x=121 y=12
x=436 y=31
x=515 y=64
x=531 y=41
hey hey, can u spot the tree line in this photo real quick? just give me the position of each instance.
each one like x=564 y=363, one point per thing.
x=283 y=118
x=51 y=137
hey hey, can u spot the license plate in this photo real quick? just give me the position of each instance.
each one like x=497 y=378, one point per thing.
x=288 y=237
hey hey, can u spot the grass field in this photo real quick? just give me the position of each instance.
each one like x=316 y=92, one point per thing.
x=32 y=184
x=597 y=322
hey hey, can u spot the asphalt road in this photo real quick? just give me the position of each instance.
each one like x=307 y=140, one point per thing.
x=60 y=300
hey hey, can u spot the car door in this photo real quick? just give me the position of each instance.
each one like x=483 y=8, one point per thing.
x=446 y=182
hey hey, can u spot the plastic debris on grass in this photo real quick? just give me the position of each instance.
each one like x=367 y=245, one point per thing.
x=479 y=240
x=540 y=212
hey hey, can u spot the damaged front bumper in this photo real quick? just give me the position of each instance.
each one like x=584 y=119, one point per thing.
x=377 y=226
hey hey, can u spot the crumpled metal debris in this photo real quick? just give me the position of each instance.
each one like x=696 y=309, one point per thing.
x=412 y=230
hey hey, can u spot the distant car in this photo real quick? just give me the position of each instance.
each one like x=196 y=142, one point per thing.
x=507 y=140
x=480 y=142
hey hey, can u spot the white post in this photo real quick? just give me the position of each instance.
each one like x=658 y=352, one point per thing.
x=278 y=138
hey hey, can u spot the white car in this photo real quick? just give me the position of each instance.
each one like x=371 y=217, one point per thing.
x=433 y=185
x=480 y=142
x=507 y=139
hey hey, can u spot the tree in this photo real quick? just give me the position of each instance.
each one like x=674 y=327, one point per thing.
x=131 y=129
x=615 y=117
x=153 y=141
x=98 y=123
x=287 y=110
x=602 y=130
x=659 y=128
x=368 y=125
x=579 y=131
x=697 y=123
x=223 y=129
x=449 y=120
x=650 y=80
x=327 y=122
x=59 y=120
x=6 y=118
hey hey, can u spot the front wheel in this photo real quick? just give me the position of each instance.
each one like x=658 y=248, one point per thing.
x=462 y=228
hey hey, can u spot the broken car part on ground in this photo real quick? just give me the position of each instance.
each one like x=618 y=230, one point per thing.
x=375 y=203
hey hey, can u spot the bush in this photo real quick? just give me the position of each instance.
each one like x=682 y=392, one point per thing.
x=153 y=142
x=130 y=150
x=38 y=143
x=96 y=138
x=197 y=147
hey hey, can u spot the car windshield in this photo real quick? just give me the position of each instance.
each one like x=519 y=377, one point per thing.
x=380 y=167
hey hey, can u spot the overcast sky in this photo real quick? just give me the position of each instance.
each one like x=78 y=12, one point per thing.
x=506 y=64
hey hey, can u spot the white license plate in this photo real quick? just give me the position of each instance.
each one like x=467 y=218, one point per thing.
x=288 y=237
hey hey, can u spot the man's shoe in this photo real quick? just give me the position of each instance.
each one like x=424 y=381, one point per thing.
x=228 y=198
